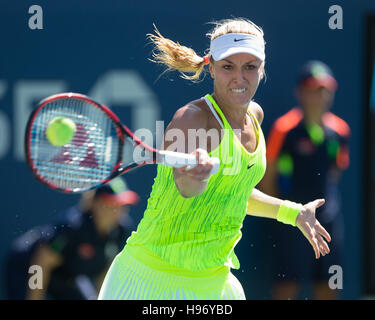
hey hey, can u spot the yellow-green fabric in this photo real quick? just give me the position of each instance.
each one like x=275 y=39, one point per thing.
x=138 y=274
x=201 y=232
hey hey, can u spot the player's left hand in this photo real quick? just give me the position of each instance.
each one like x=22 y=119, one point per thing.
x=312 y=229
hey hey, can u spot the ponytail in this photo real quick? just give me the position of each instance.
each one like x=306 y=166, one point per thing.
x=177 y=57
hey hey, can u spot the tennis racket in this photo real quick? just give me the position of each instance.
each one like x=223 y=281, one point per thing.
x=102 y=148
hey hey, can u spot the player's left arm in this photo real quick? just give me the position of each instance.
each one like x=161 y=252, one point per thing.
x=262 y=205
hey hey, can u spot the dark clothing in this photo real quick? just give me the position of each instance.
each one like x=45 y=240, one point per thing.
x=86 y=255
x=309 y=159
x=295 y=258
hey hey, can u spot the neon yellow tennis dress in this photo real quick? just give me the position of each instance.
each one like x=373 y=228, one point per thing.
x=184 y=247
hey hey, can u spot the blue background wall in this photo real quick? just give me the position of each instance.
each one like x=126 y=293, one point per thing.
x=82 y=42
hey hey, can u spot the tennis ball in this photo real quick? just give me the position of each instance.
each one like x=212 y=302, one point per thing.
x=60 y=131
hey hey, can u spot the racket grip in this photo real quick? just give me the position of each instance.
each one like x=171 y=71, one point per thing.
x=216 y=167
x=178 y=160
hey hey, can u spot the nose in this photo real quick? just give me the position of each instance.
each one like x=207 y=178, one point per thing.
x=239 y=75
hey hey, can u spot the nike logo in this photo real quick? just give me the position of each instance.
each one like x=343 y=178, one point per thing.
x=249 y=166
x=236 y=40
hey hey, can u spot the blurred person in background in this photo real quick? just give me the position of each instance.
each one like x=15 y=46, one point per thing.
x=75 y=253
x=307 y=150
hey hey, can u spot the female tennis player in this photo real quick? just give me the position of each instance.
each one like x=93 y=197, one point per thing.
x=184 y=245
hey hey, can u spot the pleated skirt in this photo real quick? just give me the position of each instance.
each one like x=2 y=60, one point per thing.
x=137 y=274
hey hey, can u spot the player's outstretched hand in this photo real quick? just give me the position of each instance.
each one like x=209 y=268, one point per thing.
x=312 y=229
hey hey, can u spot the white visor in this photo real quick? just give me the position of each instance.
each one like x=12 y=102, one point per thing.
x=232 y=43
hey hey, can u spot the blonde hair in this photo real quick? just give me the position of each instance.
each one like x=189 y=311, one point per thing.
x=185 y=60
x=238 y=25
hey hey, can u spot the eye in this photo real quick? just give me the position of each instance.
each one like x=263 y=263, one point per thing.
x=251 y=67
x=227 y=67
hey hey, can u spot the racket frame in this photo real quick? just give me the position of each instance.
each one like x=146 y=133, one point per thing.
x=158 y=156
x=121 y=130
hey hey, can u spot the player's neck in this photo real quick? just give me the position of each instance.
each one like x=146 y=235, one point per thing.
x=235 y=114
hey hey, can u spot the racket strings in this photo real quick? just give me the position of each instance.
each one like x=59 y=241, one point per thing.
x=88 y=158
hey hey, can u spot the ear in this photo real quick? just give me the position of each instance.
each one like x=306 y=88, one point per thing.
x=211 y=69
x=263 y=70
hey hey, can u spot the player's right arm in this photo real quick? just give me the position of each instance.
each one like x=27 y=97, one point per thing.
x=191 y=182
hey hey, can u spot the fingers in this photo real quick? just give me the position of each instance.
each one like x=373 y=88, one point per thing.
x=202 y=170
x=310 y=236
x=315 y=246
x=313 y=230
x=320 y=246
x=323 y=233
x=323 y=246
x=317 y=242
x=317 y=203
x=319 y=228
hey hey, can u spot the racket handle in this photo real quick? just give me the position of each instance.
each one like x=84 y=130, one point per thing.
x=178 y=160
x=216 y=167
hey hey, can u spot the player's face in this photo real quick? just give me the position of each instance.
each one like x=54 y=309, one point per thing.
x=236 y=78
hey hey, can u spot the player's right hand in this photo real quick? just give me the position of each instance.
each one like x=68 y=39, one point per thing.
x=202 y=171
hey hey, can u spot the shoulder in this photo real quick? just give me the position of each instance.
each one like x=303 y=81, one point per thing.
x=336 y=124
x=288 y=121
x=257 y=110
x=281 y=131
x=193 y=115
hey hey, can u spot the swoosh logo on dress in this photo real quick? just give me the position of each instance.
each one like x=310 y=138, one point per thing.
x=249 y=166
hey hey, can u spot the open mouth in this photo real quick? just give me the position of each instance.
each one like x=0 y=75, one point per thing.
x=240 y=90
